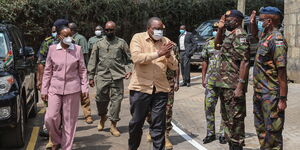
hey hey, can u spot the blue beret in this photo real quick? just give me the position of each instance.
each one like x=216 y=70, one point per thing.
x=234 y=13
x=270 y=10
x=60 y=22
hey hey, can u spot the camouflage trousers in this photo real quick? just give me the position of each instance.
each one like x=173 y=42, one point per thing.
x=211 y=99
x=169 y=110
x=268 y=121
x=233 y=114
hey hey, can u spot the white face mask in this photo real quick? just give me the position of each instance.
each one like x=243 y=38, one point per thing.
x=98 y=32
x=68 y=40
x=157 y=34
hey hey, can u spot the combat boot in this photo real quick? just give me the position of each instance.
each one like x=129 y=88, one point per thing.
x=101 y=123
x=168 y=144
x=114 y=130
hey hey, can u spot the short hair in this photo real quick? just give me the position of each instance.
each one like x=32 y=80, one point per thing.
x=73 y=26
x=151 y=20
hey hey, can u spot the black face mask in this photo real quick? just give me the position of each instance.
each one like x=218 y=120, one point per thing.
x=230 y=25
x=110 y=35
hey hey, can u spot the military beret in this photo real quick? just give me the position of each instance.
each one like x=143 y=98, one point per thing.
x=61 y=22
x=270 y=10
x=234 y=13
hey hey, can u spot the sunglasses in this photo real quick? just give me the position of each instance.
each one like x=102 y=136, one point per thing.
x=109 y=30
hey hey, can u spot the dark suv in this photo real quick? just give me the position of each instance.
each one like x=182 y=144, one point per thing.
x=204 y=32
x=18 y=92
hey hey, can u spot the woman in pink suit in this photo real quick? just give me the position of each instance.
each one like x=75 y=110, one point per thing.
x=64 y=82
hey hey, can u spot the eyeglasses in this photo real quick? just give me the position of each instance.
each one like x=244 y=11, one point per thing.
x=109 y=30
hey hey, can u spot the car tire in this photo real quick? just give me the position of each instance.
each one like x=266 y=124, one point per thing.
x=34 y=109
x=15 y=137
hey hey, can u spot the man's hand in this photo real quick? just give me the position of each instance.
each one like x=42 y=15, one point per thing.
x=238 y=92
x=92 y=83
x=203 y=82
x=253 y=17
x=85 y=95
x=222 y=22
x=282 y=105
x=128 y=75
x=44 y=97
x=165 y=49
x=176 y=86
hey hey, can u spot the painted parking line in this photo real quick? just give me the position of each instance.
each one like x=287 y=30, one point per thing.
x=33 y=138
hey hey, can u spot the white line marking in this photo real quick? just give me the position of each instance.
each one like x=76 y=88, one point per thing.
x=188 y=138
x=184 y=135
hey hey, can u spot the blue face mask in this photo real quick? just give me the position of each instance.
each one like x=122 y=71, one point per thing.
x=181 y=31
x=214 y=33
x=54 y=34
x=260 y=26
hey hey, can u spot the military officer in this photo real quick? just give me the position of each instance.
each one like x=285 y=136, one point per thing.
x=211 y=60
x=81 y=41
x=270 y=78
x=94 y=39
x=109 y=57
x=231 y=41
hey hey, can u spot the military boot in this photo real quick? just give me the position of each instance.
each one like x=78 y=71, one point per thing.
x=113 y=129
x=101 y=123
x=168 y=144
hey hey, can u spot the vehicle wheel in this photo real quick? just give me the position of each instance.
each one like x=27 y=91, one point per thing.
x=34 y=109
x=15 y=137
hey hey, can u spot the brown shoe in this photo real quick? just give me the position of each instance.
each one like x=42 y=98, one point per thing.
x=89 y=120
x=114 y=130
x=101 y=123
x=49 y=144
x=168 y=144
x=149 y=138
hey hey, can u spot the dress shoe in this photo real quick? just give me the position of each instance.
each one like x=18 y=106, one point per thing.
x=188 y=84
x=222 y=140
x=209 y=139
x=89 y=120
x=183 y=84
x=44 y=133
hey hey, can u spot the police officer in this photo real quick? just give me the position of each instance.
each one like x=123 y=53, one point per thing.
x=270 y=78
x=211 y=60
x=233 y=73
x=81 y=41
x=109 y=57
x=94 y=39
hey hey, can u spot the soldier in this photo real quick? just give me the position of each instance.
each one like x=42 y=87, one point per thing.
x=109 y=57
x=42 y=55
x=233 y=70
x=94 y=39
x=211 y=60
x=270 y=78
x=81 y=41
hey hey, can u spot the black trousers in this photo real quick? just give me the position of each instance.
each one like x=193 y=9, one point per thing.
x=185 y=66
x=140 y=105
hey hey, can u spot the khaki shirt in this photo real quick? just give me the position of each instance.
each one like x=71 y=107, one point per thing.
x=109 y=59
x=150 y=69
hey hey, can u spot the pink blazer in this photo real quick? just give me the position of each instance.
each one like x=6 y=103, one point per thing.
x=65 y=71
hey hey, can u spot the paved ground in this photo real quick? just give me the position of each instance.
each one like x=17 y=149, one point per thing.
x=188 y=116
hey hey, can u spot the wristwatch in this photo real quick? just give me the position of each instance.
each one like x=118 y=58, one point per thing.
x=241 y=80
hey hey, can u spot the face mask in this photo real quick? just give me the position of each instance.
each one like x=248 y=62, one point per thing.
x=54 y=34
x=67 y=40
x=181 y=31
x=157 y=34
x=260 y=26
x=229 y=25
x=214 y=33
x=98 y=33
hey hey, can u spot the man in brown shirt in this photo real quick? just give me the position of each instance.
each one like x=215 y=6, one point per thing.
x=151 y=54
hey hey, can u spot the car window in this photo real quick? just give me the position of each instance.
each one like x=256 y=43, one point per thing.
x=16 y=42
x=207 y=31
x=3 y=46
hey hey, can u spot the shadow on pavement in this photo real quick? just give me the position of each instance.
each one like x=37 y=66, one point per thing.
x=91 y=142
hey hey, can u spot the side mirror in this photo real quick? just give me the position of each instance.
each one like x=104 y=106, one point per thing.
x=28 y=51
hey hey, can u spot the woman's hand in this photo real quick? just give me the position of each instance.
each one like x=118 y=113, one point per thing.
x=85 y=95
x=44 y=97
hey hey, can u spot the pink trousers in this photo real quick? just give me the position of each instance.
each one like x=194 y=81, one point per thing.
x=61 y=118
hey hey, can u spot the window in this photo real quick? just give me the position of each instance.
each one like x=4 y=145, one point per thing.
x=3 y=46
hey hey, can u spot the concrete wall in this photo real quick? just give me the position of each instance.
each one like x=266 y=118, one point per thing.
x=292 y=34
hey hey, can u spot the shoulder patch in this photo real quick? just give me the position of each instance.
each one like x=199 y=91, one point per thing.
x=243 y=40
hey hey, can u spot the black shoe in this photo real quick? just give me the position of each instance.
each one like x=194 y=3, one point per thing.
x=44 y=133
x=235 y=147
x=188 y=84
x=222 y=140
x=209 y=139
x=183 y=84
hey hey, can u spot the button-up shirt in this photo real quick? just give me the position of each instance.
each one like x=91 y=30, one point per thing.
x=150 y=69
x=65 y=72
x=181 y=41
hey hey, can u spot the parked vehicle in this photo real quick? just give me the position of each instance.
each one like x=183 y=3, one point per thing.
x=18 y=92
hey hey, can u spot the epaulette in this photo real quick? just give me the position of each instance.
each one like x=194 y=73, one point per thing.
x=48 y=38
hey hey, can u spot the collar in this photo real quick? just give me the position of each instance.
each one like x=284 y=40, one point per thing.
x=75 y=34
x=59 y=47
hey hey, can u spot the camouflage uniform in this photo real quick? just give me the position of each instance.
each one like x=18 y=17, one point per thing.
x=43 y=51
x=212 y=92
x=271 y=55
x=235 y=48
x=107 y=68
